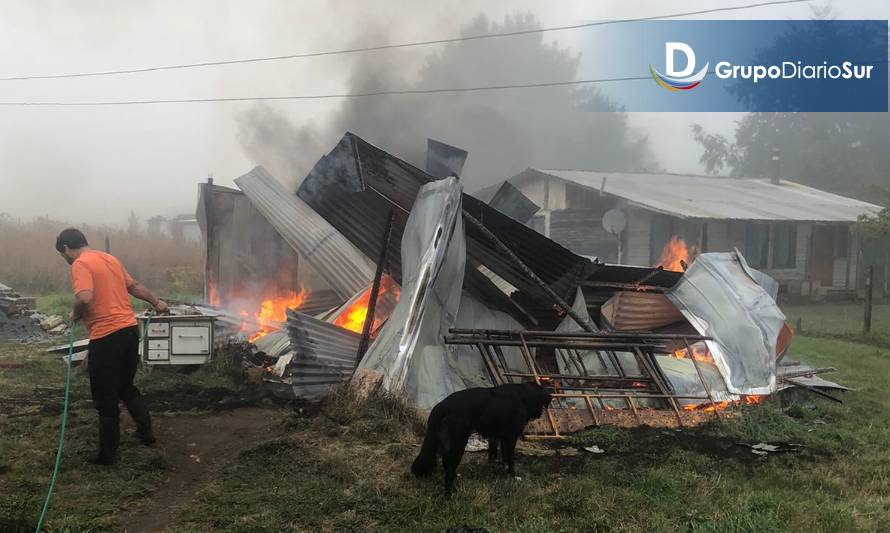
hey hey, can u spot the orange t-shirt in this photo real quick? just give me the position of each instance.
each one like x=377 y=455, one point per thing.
x=110 y=309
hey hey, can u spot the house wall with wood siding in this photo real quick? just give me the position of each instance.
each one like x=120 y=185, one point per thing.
x=575 y=221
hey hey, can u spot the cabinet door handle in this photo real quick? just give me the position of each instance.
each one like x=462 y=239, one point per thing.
x=190 y=336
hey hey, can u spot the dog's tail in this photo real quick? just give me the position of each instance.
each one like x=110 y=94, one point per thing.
x=425 y=462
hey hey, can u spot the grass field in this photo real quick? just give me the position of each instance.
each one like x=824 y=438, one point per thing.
x=342 y=469
x=843 y=320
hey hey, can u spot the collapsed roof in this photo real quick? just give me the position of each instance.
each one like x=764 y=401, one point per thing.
x=463 y=264
x=358 y=187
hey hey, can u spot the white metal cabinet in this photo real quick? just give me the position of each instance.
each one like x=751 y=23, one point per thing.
x=177 y=340
x=188 y=340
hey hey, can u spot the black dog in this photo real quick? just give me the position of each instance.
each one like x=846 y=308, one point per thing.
x=499 y=414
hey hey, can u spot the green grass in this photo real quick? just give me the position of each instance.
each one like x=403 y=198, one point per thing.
x=87 y=498
x=348 y=469
x=326 y=476
x=842 y=320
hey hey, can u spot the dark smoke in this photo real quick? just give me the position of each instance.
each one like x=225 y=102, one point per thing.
x=504 y=131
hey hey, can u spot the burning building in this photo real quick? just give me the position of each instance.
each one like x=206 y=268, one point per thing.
x=433 y=290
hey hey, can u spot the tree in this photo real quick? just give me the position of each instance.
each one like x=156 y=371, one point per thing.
x=845 y=153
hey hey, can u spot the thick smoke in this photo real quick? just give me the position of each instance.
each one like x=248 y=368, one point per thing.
x=505 y=131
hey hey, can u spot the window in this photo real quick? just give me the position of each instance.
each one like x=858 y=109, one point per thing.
x=785 y=246
x=757 y=244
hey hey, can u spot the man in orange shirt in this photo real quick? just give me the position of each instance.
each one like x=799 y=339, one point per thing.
x=102 y=289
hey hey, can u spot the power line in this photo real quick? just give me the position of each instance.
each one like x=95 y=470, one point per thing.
x=399 y=45
x=386 y=92
x=326 y=96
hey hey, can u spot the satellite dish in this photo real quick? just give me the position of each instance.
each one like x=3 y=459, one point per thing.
x=614 y=221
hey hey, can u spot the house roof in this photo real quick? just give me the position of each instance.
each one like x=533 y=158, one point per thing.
x=690 y=196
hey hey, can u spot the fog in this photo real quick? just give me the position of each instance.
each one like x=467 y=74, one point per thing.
x=99 y=164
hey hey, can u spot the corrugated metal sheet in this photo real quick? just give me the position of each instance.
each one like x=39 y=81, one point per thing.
x=688 y=196
x=510 y=201
x=605 y=280
x=444 y=160
x=499 y=282
x=275 y=343
x=557 y=266
x=640 y=311
x=324 y=355
x=319 y=301
x=330 y=254
x=357 y=185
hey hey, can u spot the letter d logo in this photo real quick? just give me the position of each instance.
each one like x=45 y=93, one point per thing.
x=670 y=50
x=678 y=80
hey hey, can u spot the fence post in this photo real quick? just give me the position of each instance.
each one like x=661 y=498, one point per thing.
x=869 y=282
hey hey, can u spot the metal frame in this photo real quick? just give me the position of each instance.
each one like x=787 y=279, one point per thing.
x=650 y=384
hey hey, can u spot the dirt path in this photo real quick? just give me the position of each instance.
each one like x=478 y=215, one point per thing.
x=196 y=446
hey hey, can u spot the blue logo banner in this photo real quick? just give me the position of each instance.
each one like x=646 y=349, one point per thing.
x=742 y=65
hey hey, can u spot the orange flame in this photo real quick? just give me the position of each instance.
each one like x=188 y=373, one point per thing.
x=274 y=311
x=353 y=318
x=700 y=353
x=673 y=253
x=753 y=400
x=707 y=407
x=212 y=294
x=722 y=406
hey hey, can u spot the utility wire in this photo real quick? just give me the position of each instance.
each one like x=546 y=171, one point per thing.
x=386 y=92
x=326 y=96
x=400 y=45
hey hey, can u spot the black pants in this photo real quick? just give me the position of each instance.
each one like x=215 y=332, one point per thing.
x=113 y=360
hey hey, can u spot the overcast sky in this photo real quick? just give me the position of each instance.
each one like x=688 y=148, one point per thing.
x=96 y=164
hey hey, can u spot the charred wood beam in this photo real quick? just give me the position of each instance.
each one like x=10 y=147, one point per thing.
x=655 y=271
x=506 y=251
x=622 y=286
x=495 y=333
x=636 y=382
x=618 y=346
x=375 y=290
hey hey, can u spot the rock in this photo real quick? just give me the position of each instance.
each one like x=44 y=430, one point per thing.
x=61 y=329
x=52 y=322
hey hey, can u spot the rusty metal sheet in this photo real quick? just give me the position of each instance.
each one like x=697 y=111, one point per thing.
x=639 y=311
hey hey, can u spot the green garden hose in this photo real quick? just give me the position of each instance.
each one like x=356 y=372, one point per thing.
x=52 y=482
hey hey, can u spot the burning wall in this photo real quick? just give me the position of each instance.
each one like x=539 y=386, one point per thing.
x=676 y=256
x=246 y=260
